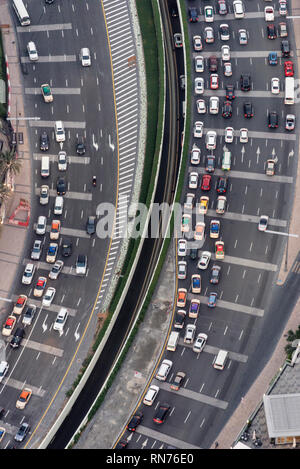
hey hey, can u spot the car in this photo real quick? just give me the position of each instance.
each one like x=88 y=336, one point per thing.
x=200 y=342
x=221 y=204
x=3 y=370
x=195 y=155
x=203 y=204
x=32 y=52
x=2 y=433
x=122 y=444
x=24 y=398
x=209 y=35
x=204 y=260
x=290 y=122
x=199 y=64
x=81 y=264
x=214 y=228
x=62 y=161
x=225 y=51
x=271 y=31
x=151 y=395
x=263 y=223
x=214 y=81
x=36 y=250
x=222 y=185
x=193 y=253
x=61 y=186
x=41 y=225
x=212 y=300
x=273 y=58
x=182 y=81
x=201 y=106
x=229 y=134
x=55 y=229
x=224 y=32
x=40 y=286
x=222 y=7
x=56 y=270
x=182 y=247
x=199 y=85
x=248 y=110
x=244 y=135
x=179 y=319
x=272 y=120
x=230 y=92
x=189 y=333
x=227 y=69
x=285 y=48
x=198 y=129
x=214 y=105
x=282 y=29
x=44 y=195
x=91 y=225
x=186 y=220
x=181 y=297
x=161 y=413
x=44 y=141
x=174 y=12
x=243 y=37
x=245 y=82
x=215 y=274
x=270 y=167
x=206 y=182
x=9 y=325
x=213 y=64
x=275 y=85
x=269 y=13
x=28 y=274
x=208 y=14
x=238 y=9
x=52 y=253
x=48 y=297
x=164 y=370
x=61 y=320
x=199 y=231
x=85 y=57
x=282 y=9
x=20 y=304
x=210 y=163
x=194 y=308
x=193 y=14
x=47 y=93
x=219 y=250
x=189 y=201
x=178 y=381
x=17 y=338
x=178 y=40
x=193 y=180
x=29 y=315
x=289 y=68
x=196 y=283
x=211 y=139
x=227 y=109
x=197 y=41
x=22 y=432
x=80 y=146
x=181 y=270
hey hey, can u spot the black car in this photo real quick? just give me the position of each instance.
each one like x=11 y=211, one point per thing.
x=245 y=82
x=213 y=63
x=193 y=14
x=230 y=92
x=193 y=253
x=122 y=444
x=227 y=109
x=135 y=421
x=222 y=185
x=248 y=110
x=17 y=338
x=222 y=7
x=80 y=146
x=61 y=186
x=271 y=31
x=44 y=141
x=22 y=432
x=91 y=225
x=179 y=319
x=174 y=12
x=285 y=48
x=210 y=163
x=66 y=247
x=161 y=413
x=215 y=274
x=273 y=120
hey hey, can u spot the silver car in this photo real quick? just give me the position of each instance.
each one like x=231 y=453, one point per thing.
x=36 y=250
x=29 y=315
x=56 y=270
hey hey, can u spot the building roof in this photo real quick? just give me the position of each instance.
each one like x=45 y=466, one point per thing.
x=282 y=413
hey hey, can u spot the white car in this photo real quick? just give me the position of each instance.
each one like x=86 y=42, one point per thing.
x=164 y=370
x=198 y=129
x=214 y=105
x=56 y=270
x=204 y=260
x=227 y=69
x=229 y=134
x=238 y=9
x=60 y=320
x=195 y=155
x=269 y=13
x=211 y=140
x=182 y=247
x=201 y=106
x=225 y=50
x=214 y=81
x=208 y=14
x=275 y=85
x=3 y=369
x=32 y=52
x=62 y=161
x=199 y=64
x=200 y=342
x=85 y=57
x=263 y=223
x=48 y=297
x=209 y=35
x=243 y=37
x=197 y=43
x=199 y=85
x=41 y=225
x=189 y=333
x=44 y=195
x=282 y=8
x=28 y=274
x=193 y=180
x=151 y=395
x=182 y=270
x=60 y=135
x=189 y=201
x=243 y=135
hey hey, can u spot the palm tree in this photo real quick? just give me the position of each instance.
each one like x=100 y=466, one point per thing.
x=5 y=193
x=9 y=163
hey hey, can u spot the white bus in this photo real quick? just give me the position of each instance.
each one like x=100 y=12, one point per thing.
x=21 y=12
x=289 y=90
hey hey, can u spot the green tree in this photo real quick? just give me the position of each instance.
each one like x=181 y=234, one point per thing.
x=9 y=163
x=5 y=193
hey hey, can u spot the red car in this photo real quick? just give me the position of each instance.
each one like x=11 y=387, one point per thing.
x=206 y=182
x=289 y=68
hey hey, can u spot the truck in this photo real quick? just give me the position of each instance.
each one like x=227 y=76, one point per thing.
x=289 y=90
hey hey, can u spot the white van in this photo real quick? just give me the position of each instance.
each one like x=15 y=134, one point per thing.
x=221 y=204
x=60 y=135
x=220 y=360
x=226 y=160
x=164 y=370
x=173 y=341
x=58 y=205
x=45 y=167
